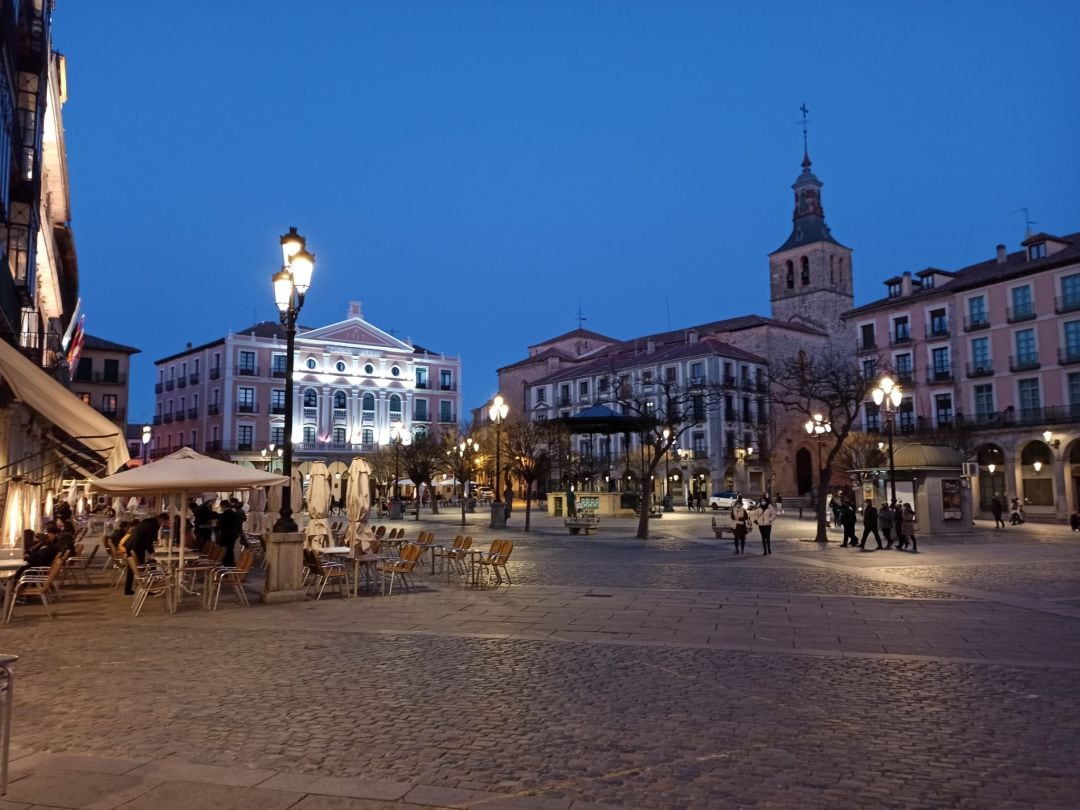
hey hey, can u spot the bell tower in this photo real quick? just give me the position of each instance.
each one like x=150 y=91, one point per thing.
x=810 y=274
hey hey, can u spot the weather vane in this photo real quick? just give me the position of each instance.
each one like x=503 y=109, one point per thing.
x=580 y=318
x=1028 y=221
x=805 y=111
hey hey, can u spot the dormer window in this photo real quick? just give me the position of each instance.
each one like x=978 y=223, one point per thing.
x=1037 y=251
x=895 y=289
x=928 y=282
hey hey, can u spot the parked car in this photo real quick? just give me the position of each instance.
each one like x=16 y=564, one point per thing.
x=726 y=500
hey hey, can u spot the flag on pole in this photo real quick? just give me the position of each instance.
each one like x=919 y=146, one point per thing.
x=75 y=349
x=71 y=326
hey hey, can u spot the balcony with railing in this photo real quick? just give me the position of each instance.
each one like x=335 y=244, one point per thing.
x=247 y=407
x=247 y=371
x=1023 y=362
x=277 y=410
x=447 y=418
x=180 y=415
x=116 y=414
x=157 y=419
x=866 y=345
x=980 y=368
x=900 y=337
x=975 y=322
x=728 y=381
x=159 y=387
x=215 y=373
x=697 y=382
x=448 y=386
x=278 y=373
x=181 y=382
x=192 y=413
x=170 y=385
x=109 y=379
x=906 y=376
x=312 y=414
x=168 y=418
x=939 y=375
x=423 y=385
x=937 y=329
x=1066 y=303
x=1067 y=355
x=193 y=378
x=1022 y=312
x=213 y=409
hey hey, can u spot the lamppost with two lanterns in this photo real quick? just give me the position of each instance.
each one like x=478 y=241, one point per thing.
x=497 y=413
x=291 y=284
x=888 y=395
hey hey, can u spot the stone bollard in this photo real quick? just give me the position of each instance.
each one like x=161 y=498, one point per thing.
x=498 y=516
x=284 y=568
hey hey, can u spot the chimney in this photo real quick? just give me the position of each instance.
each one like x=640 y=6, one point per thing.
x=650 y=346
x=1002 y=256
x=691 y=336
x=905 y=284
x=189 y=347
x=354 y=310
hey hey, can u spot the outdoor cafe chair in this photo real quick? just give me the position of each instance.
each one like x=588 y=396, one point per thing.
x=79 y=564
x=116 y=564
x=149 y=580
x=401 y=567
x=326 y=572
x=380 y=531
x=496 y=558
x=454 y=557
x=233 y=576
x=37 y=581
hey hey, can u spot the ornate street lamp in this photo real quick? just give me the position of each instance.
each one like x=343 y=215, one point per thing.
x=666 y=433
x=466 y=451
x=888 y=395
x=147 y=431
x=291 y=284
x=497 y=413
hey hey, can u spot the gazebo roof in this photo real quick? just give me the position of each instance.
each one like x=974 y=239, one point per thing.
x=602 y=419
x=913 y=456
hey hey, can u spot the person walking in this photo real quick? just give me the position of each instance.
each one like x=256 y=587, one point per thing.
x=779 y=504
x=1017 y=516
x=230 y=525
x=870 y=524
x=997 y=510
x=847 y=520
x=766 y=516
x=885 y=523
x=907 y=529
x=741 y=519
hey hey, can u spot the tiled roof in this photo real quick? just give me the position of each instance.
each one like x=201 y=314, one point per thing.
x=102 y=345
x=579 y=332
x=1016 y=265
x=544 y=355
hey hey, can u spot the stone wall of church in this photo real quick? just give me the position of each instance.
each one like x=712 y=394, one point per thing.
x=823 y=300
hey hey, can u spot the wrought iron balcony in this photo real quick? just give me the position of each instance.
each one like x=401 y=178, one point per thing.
x=983 y=368
x=974 y=322
x=215 y=373
x=939 y=375
x=1025 y=362
x=1066 y=303
x=1067 y=355
x=1025 y=312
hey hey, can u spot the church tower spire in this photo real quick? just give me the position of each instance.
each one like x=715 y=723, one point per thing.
x=810 y=274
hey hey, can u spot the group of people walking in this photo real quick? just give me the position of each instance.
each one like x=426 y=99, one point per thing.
x=763 y=516
x=895 y=522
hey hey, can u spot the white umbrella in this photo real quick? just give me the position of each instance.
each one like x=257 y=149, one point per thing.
x=357 y=504
x=296 y=498
x=273 y=502
x=257 y=515
x=318 y=502
x=132 y=504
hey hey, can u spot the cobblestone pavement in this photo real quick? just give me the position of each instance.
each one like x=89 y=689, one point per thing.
x=671 y=674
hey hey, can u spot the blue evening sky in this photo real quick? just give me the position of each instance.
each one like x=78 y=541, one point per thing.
x=470 y=171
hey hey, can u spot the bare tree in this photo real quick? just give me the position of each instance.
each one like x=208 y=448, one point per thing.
x=662 y=417
x=461 y=454
x=421 y=460
x=382 y=469
x=526 y=447
x=831 y=385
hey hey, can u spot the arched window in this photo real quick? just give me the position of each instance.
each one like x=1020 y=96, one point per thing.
x=367 y=436
x=311 y=398
x=368 y=402
x=790 y=275
x=805 y=270
x=395 y=407
x=339 y=400
x=339 y=435
x=309 y=434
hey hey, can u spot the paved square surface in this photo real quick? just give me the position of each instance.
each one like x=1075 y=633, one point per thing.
x=612 y=673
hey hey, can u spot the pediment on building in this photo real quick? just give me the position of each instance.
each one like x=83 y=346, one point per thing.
x=355 y=331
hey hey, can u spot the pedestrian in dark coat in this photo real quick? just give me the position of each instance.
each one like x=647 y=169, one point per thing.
x=141 y=545
x=870 y=524
x=847 y=520
x=885 y=522
x=230 y=525
x=741 y=518
x=998 y=512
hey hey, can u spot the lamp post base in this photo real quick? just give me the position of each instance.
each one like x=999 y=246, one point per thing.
x=498 y=516
x=397 y=510
x=284 y=568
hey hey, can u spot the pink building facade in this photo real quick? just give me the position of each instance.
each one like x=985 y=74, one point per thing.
x=990 y=352
x=352 y=381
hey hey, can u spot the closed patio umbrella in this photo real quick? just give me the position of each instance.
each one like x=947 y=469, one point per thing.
x=357 y=504
x=318 y=502
x=257 y=513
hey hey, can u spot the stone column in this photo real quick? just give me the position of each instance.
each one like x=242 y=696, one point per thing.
x=284 y=568
x=1061 y=499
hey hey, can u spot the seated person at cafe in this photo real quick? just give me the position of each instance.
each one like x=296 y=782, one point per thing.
x=141 y=544
x=29 y=540
x=44 y=550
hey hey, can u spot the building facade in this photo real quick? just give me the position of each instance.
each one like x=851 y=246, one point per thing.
x=742 y=444
x=352 y=381
x=100 y=378
x=989 y=355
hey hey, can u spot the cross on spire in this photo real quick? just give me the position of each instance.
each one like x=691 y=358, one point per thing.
x=806 y=152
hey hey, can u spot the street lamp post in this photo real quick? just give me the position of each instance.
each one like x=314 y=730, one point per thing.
x=398 y=434
x=466 y=451
x=147 y=431
x=497 y=413
x=889 y=395
x=818 y=427
x=291 y=284
x=667 y=472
